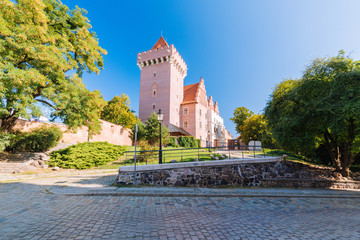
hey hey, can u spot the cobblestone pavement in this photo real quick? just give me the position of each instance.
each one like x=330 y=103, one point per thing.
x=36 y=209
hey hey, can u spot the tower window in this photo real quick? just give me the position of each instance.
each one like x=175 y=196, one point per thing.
x=185 y=111
x=154 y=74
x=186 y=124
x=153 y=106
x=154 y=92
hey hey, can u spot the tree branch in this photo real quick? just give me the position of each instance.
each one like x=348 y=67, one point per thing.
x=49 y=104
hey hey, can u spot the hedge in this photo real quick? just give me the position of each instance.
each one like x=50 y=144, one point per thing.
x=188 y=142
x=86 y=155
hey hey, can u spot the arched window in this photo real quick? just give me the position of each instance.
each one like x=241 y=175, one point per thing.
x=154 y=88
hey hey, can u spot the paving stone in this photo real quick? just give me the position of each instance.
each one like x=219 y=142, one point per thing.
x=35 y=214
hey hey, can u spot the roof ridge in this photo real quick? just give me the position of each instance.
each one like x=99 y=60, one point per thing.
x=160 y=43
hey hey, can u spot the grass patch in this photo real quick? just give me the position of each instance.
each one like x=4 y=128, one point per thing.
x=86 y=155
x=169 y=153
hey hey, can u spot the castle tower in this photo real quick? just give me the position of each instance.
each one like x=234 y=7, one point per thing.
x=161 y=82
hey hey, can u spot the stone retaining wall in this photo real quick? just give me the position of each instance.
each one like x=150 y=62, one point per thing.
x=251 y=172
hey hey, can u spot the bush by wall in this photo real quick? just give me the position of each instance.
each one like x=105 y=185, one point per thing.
x=5 y=140
x=86 y=155
x=39 y=140
x=188 y=142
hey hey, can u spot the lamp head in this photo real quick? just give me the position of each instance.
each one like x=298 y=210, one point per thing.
x=160 y=115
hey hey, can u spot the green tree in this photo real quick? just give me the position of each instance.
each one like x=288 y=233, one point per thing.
x=45 y=48
x=153 y=132
x=118 y=111
x=240 y=115
x=141 y=136
x=320 y=108
x=255 y=128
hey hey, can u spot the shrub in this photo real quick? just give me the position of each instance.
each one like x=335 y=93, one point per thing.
x=145 y=146
x=172 y=142
x=188 y=142
x=86 y=155
x=39 y=140
x=5 y=140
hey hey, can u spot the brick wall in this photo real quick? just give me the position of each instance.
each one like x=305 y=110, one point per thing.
x=112 y=133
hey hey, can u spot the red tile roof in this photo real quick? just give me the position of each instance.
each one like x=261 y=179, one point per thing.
x=190 y=93
x=160 y=43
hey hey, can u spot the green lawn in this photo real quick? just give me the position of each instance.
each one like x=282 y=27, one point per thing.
x=181 y=155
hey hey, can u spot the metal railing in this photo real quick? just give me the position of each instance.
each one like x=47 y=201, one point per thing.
x=197 y=154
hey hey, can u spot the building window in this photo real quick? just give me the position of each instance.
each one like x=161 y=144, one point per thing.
x=185 y=111
x=186 y=124
x=112 y=129
x=200 y=112
x=153 y=106
x=154 y=74
x=200 y=124
x=154 y=92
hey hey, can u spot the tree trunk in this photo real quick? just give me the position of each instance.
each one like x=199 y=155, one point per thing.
x=345 y=171
x=335 y=155
x=7 y=124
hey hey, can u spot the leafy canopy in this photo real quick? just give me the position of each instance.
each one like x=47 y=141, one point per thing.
x=45 y=48
x=150 y=131
x=252 y=126
x=240 y=115
x=118 y=111
x=320 y=108
x=255 y=128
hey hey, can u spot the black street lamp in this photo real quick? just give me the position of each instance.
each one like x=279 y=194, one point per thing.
x=160 y=116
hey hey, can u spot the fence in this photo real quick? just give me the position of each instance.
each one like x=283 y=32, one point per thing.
x=169 y=155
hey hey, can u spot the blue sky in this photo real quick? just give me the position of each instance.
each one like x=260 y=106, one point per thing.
x=241 y=48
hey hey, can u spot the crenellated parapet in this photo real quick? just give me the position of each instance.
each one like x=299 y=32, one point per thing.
x=166 y=54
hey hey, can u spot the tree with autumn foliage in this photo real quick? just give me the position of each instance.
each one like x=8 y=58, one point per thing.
x=45 y=47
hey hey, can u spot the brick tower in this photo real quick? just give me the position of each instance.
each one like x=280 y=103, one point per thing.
x=161 y=82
